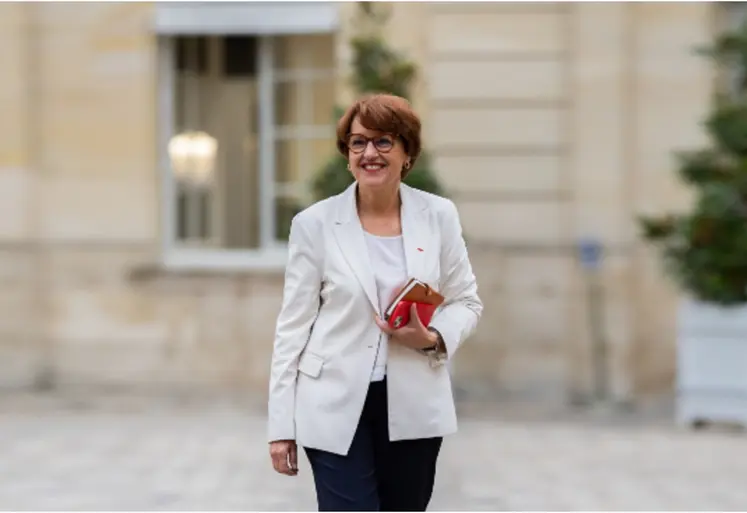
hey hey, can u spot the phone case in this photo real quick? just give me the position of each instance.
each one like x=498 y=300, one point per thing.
x=401 y=314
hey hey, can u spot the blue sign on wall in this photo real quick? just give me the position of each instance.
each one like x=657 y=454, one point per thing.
x=590 y=253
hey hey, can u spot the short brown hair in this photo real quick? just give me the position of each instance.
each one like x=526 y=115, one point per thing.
x=385 y=113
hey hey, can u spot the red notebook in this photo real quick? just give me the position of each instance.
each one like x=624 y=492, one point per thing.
x=415 y=291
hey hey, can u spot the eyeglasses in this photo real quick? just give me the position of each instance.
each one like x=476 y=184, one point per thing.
x=358 y=143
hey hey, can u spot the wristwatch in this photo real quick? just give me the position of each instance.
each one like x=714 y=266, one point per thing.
x=437 y=347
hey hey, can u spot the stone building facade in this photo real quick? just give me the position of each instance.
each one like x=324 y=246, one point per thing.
x=549 y=123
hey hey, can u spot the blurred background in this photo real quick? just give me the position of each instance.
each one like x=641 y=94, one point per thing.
x=153 y=154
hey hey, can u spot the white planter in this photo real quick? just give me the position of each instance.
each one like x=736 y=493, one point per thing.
x=711 y=363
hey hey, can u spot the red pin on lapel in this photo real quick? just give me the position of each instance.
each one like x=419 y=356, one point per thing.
x=420 y=249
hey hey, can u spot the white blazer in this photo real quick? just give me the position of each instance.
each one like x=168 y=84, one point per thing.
x=326 y=337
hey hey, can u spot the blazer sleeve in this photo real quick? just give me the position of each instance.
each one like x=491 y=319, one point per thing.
x=457 y=317
x=300 y=306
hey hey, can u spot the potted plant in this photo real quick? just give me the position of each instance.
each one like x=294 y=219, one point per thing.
x=377 y=68
x=705 y=251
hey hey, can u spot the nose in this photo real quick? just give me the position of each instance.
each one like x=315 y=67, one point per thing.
x=370 y=151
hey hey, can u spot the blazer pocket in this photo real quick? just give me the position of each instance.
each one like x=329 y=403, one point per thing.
x=311 y=365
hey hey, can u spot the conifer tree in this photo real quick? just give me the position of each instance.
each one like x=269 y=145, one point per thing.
x=705 y=248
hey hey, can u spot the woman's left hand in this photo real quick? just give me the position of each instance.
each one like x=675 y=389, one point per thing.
x=413 y=335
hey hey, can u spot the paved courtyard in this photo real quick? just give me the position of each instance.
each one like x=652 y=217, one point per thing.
x=216 y=458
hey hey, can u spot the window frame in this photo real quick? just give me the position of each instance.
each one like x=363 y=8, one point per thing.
x=271 y=254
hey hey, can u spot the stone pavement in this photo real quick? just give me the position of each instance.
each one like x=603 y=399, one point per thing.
x=197 y=458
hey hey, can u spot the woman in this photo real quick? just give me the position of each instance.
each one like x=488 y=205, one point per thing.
x=369 y=404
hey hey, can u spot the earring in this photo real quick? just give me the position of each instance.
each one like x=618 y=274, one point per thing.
x=407 y=165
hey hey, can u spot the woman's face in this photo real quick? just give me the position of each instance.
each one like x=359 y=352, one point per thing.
x=376 y=158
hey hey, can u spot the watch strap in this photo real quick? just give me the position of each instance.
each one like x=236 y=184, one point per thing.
x=439 y=345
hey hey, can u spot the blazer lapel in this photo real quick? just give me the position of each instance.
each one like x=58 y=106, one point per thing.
x=352 y=242
x=415 y=233
x=415 y=237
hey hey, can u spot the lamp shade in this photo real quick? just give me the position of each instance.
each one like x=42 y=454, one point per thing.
x=193 y=156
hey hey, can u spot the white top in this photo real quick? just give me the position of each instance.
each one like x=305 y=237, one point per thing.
x=387 y=255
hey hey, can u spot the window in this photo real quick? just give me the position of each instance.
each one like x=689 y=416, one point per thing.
x=304 y=85
x=247 y=120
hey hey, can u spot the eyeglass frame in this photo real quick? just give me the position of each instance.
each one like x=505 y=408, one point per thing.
x=370 y=140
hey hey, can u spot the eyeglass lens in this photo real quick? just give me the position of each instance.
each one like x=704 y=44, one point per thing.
x=358 y=143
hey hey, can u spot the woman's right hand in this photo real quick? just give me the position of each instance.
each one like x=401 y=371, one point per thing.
x=284 y=454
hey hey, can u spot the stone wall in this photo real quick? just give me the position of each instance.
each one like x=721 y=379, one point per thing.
x=78 y=181
x=549 y=122
x=553 y=122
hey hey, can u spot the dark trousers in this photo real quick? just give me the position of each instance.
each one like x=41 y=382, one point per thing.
x=376 y=474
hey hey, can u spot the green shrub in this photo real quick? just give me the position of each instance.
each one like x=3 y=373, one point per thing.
x=705 y=249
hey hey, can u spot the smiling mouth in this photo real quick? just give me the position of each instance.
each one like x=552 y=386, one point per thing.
x=372 y=168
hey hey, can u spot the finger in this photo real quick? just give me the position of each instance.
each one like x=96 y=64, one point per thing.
x=277 y=464
x=414 y=317
x=282 y=467
x=293 y=458
x=406 y=337
x=383 y=325
x=290 y=468
x=280 y=462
